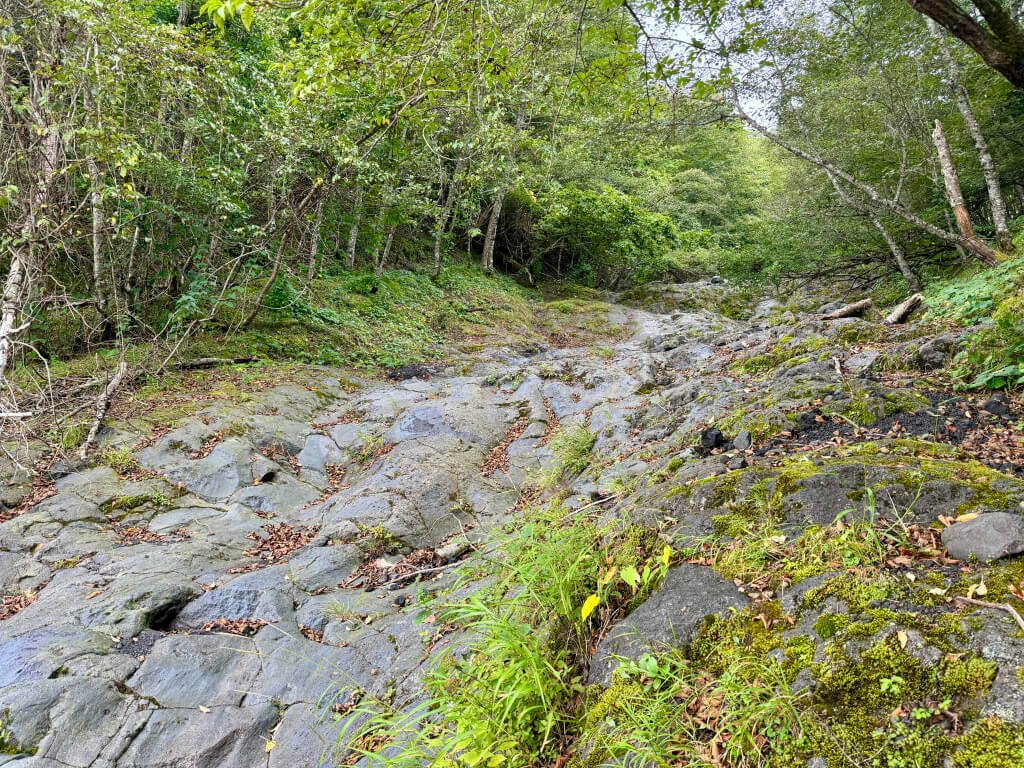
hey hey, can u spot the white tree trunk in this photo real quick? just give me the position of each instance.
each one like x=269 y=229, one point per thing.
x=96 y=201
x=353 y=232
x=972 y=242
x=872 y=194
x=487 y=258
x=988 y=168
x=446 y=212
x=314 y=242
x=11 y=307
x=913 y=282
x=379 y=263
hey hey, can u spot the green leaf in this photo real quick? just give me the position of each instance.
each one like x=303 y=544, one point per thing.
x=630 y=576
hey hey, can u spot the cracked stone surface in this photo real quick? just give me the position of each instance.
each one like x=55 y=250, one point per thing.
x=120 y=662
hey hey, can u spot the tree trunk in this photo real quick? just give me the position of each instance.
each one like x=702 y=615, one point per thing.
x=903 y=310
x=988 y=168
x=184 y=11
x=978 y=248
x=11 y=307
x=487 y=258
x=446 y=212
x=379 y=266
x=850 y=310
x=872 y=194
x=913 y=282
x=1000 y=45
x=911 y=278
x=353 y=232
x=98 y=278
x=314 y=242
x=270 y=282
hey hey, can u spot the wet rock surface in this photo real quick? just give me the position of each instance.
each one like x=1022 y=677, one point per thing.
x=237 y=588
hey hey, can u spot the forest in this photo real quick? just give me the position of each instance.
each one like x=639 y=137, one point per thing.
x=537 y=383
x=170 y=169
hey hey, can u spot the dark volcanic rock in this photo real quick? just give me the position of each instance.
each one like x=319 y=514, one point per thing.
x=712 y=438
x=986 y=537
x=668 y=618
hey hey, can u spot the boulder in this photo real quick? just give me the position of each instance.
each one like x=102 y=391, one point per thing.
x=987 y=537
x=936 y=352
x=670 y=617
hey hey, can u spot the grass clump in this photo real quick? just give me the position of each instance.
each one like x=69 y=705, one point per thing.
x=571 y=446
x=121 y=460
x=510 y=693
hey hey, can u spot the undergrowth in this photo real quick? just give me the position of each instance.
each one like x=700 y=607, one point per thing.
x=509 y=696
x=994 y=356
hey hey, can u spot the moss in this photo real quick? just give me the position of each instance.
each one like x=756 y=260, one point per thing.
x=786 y=353
x=724 y=640
x=726 y=489
x=760 y=423
x=673 y=464
x=828 y=625
x=799 y=655
x=970 y=677
x=127 y=503
x=619 y=689
x=858 y=334
x=61 y=565
x=857 y=594
x=991 y=744
x=999 y=579
x=856 y=695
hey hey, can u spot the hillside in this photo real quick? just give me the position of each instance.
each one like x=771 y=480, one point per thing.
x=794 y=515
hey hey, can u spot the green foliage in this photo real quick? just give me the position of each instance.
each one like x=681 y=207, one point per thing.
x=994 y=356
x=122 y=460
x=571 y=446
x=604 y=237
x=509 y=691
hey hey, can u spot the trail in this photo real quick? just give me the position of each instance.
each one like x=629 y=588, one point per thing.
x=187 y=610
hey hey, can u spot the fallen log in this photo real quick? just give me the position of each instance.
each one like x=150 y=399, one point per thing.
x=102 y=403
x=211 y=362
x=903 y=310
x=850 y=310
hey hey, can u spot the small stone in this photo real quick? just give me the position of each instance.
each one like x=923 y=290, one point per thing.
x=862 y=361
x=936 y=352
x=807 y=419
x=996 y=405
x=987 y=537
x=737 y=462
x=742 y=441
x=711 y=438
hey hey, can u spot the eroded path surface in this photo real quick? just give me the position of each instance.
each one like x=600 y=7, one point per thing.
x=207 y=591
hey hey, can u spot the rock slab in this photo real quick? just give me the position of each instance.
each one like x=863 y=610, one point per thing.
x=987 y=537
x=670 y=617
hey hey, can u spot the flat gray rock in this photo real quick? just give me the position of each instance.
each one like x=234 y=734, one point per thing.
x=668 y=618
x=987 y=537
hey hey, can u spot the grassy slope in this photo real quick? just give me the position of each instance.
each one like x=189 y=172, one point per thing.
x=357 y=322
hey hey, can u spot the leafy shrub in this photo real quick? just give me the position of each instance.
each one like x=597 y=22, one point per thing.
x=604 y=237
x=994 y=357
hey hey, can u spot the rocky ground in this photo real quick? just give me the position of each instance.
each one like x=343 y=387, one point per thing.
x=211 y=592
